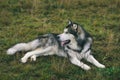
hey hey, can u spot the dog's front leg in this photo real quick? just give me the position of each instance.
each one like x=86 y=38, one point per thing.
x=75 y=61
x=92 y=60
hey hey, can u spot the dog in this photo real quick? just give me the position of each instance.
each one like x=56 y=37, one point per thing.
x=84 y=41
x=74 y=43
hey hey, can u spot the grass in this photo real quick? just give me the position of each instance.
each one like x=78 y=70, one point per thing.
x=24 y=20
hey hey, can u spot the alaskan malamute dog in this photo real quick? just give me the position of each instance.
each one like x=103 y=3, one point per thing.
x=74 y=43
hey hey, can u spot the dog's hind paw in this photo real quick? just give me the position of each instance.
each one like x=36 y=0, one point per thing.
x=86 y=67
x=33 y=58
x=23 y=60
x=11 y=51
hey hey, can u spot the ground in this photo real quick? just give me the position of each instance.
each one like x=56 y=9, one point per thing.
x=24 y=20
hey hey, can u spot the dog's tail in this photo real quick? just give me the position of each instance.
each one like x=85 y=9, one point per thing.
x=23 y=47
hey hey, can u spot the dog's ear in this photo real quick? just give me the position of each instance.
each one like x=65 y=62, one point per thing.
x=75 y=26
x=69 y=22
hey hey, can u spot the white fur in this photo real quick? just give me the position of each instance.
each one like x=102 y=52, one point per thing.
x=33 y=57
x=65 y=30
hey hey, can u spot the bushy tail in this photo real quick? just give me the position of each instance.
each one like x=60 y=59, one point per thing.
x=23 y=47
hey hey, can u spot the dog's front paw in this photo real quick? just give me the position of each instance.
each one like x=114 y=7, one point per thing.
x=33 y=58
x=11 y=51
x=86 y=67
x=101 y=66
x=23 y=60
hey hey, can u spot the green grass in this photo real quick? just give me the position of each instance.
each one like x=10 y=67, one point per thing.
x=24 y=20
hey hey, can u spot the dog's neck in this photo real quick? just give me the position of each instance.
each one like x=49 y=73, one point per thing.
x=73 y=46
x=75 y=50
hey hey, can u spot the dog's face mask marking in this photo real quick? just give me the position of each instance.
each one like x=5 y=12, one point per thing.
x=66 y=38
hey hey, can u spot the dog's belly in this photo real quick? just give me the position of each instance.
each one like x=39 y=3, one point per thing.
x=49 y=53
x=53 y=51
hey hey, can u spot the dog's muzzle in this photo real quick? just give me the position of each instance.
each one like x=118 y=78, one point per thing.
x=63 y=43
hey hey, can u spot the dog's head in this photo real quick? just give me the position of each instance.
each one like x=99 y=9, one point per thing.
x=65 y=38
x=73 y=28
x=69 y=34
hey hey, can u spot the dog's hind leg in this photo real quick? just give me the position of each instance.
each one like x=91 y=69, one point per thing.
x=23 y=47
x=34 y=57
x=35 y=53
x=92 y=60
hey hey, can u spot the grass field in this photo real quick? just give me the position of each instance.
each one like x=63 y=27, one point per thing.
x=24 y=20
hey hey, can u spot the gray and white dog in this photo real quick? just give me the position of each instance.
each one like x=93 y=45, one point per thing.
x=74 y=43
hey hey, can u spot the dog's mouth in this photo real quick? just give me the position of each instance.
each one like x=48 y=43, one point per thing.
x=65 y=42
